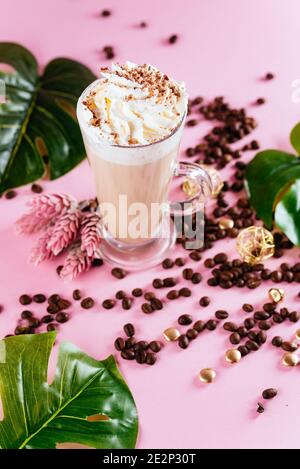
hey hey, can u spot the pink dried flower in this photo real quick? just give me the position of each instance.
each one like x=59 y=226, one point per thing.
x=76 y=262
x=65 y=231
x=91 y=234
x=44 y=209
x=40 y=252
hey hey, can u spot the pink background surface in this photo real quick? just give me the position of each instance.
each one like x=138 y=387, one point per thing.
x=224 y=47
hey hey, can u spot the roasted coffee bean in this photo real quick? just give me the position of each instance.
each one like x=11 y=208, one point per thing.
x=129 y=329
x=284 y=313
x=196 y=278
x=11 y=194
x=260 y=408
x=137 y=292
x=220 y=258
x=204 y=301
x=52 y=327
x=172 y=295
x=195 y=256
x=20 y=330
x=187 y=274
x=26 y=314
x=248 y=308
x=63 y=304
x=149 y=295
x=156 y=304
x=140 y=356
x=199 y=325
x=251 y=345
x=47 y=318
x=276 y=276
x=261 y=315
x=183 y=341
x=147 y=308
x=118 y=273
x=151 y=358
x=230 y=326
x=269 y=393
x=253 y=283
x=211 y=324
x=54 y=299
x=52 y=308
x=105 y=13
x=155 y=346
x=261 y=337
x=172 y=39
x=25 y=300
x=235 y=338
x=76 y=295
x=62 y=317
x=289 y=346
x=277 y=341
x=242 y=331
x=179 y=261
x=252 y=335
x=88 y=302
x=128 y=354
x=269 y=307
x=34 y=323
x=141 y=344
x=221 y=314
x=185 y=320
x=39 y=298
x=249 y=323
x=260 y=101
x=209 y=263
x=167 y=263
x=294 y=316
x=264 y=325
x=119 y=344
x=186 y=292
x=169 y=282
x=212 y=282
x=120 y=295
x=158 y=283
x=108 y=304
x=277 y=318
x=126 y=303
x=130 y=342
x=243 y=350
x=192 y=334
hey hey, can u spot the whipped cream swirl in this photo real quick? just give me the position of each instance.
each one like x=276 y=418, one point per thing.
x=135 y=104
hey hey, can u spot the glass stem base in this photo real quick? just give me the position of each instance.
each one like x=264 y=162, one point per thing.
x=143 y=256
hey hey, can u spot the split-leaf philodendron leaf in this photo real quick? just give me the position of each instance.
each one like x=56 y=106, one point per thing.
x=37 y=118
x=273 y=185
x=87 y=402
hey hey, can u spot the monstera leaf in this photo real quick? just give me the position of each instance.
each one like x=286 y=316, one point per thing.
x=38 y=118
x=87 y=402
x=273 y=185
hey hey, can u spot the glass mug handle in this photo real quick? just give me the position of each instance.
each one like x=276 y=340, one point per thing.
x=200 y=184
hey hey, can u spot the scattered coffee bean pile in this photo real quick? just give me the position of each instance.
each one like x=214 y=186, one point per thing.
x=28 y=323
x=142 y=351
x=215 y=147
x=227 y=274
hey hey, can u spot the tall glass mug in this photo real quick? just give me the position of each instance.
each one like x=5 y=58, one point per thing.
x=133 y=184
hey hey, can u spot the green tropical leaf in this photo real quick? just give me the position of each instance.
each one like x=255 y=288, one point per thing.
x=88 y=402
x=268 y=176
x=295 y=138
x=38 y=118
x=287 y=213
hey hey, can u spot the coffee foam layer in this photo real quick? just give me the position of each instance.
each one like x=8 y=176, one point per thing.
x=133 y=105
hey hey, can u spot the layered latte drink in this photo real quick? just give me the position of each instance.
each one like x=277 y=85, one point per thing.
x=131 y=121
